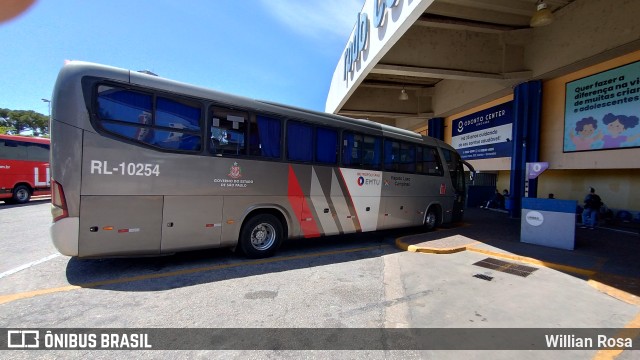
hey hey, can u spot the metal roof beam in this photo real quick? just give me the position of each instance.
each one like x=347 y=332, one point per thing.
x=422 y=72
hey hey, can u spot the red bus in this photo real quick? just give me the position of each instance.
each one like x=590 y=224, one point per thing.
x=24 y=168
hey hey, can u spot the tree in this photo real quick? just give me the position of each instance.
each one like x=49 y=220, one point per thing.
x=19 y=121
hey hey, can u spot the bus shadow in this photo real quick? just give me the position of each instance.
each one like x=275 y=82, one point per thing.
x=214 y=265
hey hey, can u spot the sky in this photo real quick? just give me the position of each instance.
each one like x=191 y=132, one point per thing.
x=277 y=50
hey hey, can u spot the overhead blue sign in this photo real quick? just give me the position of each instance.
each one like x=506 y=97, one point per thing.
x=484 y=134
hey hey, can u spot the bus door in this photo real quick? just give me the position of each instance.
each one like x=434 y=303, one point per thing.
x=191 y=222
x=457 y=180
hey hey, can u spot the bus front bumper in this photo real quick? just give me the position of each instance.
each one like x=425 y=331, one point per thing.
x=64 y=234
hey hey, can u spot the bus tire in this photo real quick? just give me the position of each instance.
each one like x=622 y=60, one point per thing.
x=432 y=219
x=21 y=194
x=261 y=236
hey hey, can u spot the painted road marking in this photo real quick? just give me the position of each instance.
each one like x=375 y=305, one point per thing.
x=28 y=265
x=25 y=295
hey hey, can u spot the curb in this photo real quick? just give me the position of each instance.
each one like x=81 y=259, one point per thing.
x=591 y=274
x=427 y=250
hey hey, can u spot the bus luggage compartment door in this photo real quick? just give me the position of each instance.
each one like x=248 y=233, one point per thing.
x=191 y=222
x=120 y=225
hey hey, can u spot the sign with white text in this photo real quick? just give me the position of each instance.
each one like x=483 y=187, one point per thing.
x=484 y=134
x=602 y=111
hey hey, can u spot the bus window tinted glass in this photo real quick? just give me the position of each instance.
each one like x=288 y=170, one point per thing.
x=391 y=155
x=174 y=140
x=38 y=152
x=227 y=131
x=299 y=140
x=371 y=152
x=326 y=146
x=407 y=158
x=265 y=137
x=124 y=105
x=361 y=151
x=429 y=161
x=13 y=150
x=177 y=115
x=456 y=171
x=142 y=134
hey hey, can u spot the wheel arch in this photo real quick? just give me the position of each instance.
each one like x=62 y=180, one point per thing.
x=280 y=213
x=25 y=183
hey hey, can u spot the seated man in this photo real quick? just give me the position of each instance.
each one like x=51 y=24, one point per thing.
x=496 y=202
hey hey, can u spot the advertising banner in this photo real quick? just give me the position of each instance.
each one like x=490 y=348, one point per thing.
x=484 y=134
x=602 y=110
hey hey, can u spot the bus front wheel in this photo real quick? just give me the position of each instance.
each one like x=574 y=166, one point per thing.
x=431 y=221
x=21 y=194
x=261 y=236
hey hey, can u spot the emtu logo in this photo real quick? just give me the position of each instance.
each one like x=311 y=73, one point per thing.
x=360 y=181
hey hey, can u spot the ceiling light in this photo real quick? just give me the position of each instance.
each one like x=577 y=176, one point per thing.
x=543 y=16
x=403 y=95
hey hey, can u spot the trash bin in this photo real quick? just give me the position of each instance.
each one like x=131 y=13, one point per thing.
x=548 y=222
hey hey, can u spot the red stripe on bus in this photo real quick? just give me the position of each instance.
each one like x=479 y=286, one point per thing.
x=301 y=208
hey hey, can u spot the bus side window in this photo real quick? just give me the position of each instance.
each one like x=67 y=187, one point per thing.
x=227 y=131
x=265 y=137
x=299 y=141
x=123 y=105
x=182 y=122
x=362 y=151
x=391 y=155
x=372 y=150
x=326 y=146
x=429 y=161
x=407 y=158
x=349 y=149
x=38 y=152
x=13 y=150
x=125 y=113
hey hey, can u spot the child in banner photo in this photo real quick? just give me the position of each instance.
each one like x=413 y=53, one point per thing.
x=616 y=125
x=584 y=133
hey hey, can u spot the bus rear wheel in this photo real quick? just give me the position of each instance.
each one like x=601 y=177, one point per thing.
x=261 y=236
x=21 y=194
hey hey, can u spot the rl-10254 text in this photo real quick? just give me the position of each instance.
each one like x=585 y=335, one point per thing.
x=130 y=169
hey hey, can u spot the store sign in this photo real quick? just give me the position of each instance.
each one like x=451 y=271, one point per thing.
x=602 y=111
x=484 y=134
x=360 y=40
x=534 y=169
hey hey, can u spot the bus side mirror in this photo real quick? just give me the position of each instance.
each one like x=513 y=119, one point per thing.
x=472 y=171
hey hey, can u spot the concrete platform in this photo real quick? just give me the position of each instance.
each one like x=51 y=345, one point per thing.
x=607 y=258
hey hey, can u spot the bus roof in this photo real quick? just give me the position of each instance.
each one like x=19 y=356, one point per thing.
x=30 y=139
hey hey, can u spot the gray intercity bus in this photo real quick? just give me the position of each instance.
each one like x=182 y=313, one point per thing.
x=143 y=165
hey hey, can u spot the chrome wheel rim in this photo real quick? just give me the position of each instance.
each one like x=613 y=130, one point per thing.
x=263 y=236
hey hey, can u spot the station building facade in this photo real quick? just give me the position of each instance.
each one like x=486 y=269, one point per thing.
x=504 y=90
